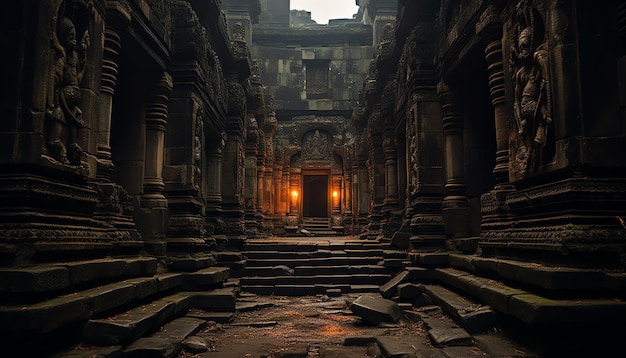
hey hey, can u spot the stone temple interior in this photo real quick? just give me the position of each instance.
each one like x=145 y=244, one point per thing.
x=152 y=150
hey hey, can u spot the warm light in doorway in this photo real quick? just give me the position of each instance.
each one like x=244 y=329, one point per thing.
x=335 y=194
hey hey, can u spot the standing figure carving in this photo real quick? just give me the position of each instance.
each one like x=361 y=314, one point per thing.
x=532 y=93
x=64 y=116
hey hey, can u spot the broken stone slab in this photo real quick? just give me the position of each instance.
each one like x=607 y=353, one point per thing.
x=442 y=331
x=128 y=326
x=390 y=288
x=218 y=317
x=252 y=306
x=422 y=300
x=409 y=290
x=498 y=345
x=219 y=300
x=450 y=336
x=195 y=344
x=474 y=317
x=165 y=342
x=375 y=309
x=400 y=346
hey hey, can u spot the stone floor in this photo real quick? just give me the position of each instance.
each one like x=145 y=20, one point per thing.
x=321 y=326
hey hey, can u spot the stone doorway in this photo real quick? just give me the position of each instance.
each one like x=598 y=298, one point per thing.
x=315 y=196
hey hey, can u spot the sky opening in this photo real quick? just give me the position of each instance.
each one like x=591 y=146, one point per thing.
x=322 y=10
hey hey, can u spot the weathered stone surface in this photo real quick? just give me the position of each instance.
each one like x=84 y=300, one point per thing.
x=374 y=309
x=251 y=306
x=532 y=308
x=195 y=344
x=498 y=345
x=390 y=288
x=210 y=276
x=409 y=290
x=296 y=351
x=361 y=341
x=401 y=240
x=422 y=300
x=449 y=336
x=342 y=352
x=86 y=271
x=152 y=347
x=400 y=346
x=220 y=300
x=88 y=352
x=473 y=316
x=128 y=326
x=256 y=324
x=37 y=279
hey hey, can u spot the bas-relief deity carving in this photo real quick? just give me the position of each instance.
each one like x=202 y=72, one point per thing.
x=64 y=117
x=532 y=97
x=316 y=146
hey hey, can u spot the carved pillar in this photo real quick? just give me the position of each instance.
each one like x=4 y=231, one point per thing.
x=152 y=199
x=347 y=199
x=279 y=208
x=454 y=206
x=213 y=198
x=251 y=164
x=376 y=170
x=117 y=18
x=495 y=212
x=233 y=174
x=391 y=173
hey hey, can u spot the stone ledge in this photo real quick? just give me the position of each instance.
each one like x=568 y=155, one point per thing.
x=46 y=316
x=64 y=275
x=537 y=275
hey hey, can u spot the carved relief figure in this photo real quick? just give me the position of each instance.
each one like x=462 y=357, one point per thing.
x=64 y=116
x=532 y=101
x=316 y=146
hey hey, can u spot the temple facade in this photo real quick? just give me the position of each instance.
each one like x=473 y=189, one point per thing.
x=162 y=136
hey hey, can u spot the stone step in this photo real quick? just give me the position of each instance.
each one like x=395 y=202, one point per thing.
x=341 y=270
x=66 y=309
x=49 y=278
x=299 y=290
x=166 y=342
x=473 y=316
x=374 y=279
x=539 y=276
x=533 y=308
x=56 y=312
x=326 y=261
x=251 y=255
x=127 y=326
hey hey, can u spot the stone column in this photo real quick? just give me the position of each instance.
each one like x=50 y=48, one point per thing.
x=117 y=17
x=391 y=173
x=252 y=203
x=213 y=199
x=153 y=202
x=495 y=212
x=376 y=170
x=454 y=206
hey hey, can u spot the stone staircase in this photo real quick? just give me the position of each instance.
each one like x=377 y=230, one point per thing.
x=562 y=310
x=320 y=227
x=305 y=266
x=107 y=307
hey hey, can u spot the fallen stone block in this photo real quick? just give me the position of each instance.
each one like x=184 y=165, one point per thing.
x=374 y=309
x=390 y=288
x=400 y=346
x=409 y=290
x=450 y=336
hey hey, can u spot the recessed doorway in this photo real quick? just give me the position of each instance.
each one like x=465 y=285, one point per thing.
x=315 y=196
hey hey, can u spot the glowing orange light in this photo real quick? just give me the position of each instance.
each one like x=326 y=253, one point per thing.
x=335 y=194
x=294 y=193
